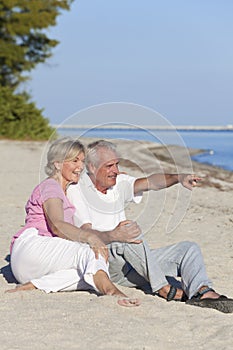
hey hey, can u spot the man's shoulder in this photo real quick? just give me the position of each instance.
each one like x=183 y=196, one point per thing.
x=124 y=177
x=124 y=181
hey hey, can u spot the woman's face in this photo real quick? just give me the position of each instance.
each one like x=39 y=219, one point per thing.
x=72 y=169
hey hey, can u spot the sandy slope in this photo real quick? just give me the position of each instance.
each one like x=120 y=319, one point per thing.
x=80 y=320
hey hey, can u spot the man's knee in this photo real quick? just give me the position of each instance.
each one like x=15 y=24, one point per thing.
x=189 y=246
x=135 y=251
x=116 y=249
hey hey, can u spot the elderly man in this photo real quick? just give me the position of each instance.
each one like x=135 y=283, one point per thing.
x=100 y=198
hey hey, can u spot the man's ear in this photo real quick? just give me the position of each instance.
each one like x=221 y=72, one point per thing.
x=91 y=168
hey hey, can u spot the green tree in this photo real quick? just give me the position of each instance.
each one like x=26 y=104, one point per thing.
x=20 y=119
x=23 y=44
x=23 y=41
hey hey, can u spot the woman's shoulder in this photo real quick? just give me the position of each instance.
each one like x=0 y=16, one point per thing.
x=49 y=185
x=46 y=183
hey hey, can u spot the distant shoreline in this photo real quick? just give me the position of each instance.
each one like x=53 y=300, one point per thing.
x=149 y=127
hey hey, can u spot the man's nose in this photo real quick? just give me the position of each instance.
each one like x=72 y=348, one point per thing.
x=115 y=169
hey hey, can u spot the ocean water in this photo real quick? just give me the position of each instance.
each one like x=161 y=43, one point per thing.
x=217 y=145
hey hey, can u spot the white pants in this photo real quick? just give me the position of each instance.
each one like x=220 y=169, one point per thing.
x=54 y=264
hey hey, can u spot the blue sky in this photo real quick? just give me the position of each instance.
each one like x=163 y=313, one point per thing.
x=173 y=56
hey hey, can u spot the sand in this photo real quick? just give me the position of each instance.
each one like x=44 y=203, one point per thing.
x=79 y=320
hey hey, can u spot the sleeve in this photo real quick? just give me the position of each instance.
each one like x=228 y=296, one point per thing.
x=82 y=213
x=50 y=189
x=126 y=184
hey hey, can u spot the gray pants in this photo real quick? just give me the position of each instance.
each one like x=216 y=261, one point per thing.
x=134 y=265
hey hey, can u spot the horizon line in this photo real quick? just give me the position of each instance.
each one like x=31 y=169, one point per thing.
x=228 y=127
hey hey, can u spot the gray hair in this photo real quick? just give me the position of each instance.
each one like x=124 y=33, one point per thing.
x=61 y=150
x=94 y=147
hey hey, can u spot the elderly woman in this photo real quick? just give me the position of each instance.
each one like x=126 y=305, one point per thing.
x=49 y=252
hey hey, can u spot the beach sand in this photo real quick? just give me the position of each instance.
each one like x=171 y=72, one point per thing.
x=80 y=320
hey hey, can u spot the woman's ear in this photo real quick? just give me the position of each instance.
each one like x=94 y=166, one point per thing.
x=57 y=166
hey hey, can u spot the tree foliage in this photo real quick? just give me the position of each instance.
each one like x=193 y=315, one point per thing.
x=23 y=44
x=23 y=41
x=20 y=119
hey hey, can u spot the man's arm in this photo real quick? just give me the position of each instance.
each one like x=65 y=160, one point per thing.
x=159 y=181
x=127 y=232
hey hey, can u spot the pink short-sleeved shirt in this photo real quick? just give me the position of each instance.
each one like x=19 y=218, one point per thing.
x=35 y=216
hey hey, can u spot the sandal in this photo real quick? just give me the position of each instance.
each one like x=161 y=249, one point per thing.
x=222 y=303
x=172 y=293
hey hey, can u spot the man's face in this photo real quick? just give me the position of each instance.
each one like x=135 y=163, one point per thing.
x=105 y=173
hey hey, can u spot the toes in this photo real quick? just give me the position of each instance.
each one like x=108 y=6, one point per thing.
x=129 y=302
x=11 y=290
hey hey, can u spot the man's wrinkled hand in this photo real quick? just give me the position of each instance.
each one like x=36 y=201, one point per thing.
x=189 y=181
x=127 y=231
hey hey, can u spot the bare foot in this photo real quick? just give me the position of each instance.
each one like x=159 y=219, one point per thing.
x=129 y=302
x=106 y=287
x=25 y=286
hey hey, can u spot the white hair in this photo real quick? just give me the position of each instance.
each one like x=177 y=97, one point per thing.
x=93 y=148
x=61 y=150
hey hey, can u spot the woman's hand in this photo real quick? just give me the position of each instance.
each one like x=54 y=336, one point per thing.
x=98 y=246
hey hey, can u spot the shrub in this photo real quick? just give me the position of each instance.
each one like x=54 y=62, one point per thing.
x=21 y=119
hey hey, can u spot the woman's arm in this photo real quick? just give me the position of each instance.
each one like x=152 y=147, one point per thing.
x=54 y=214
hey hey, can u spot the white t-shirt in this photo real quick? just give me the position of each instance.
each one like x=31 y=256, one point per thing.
x=103 y=211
